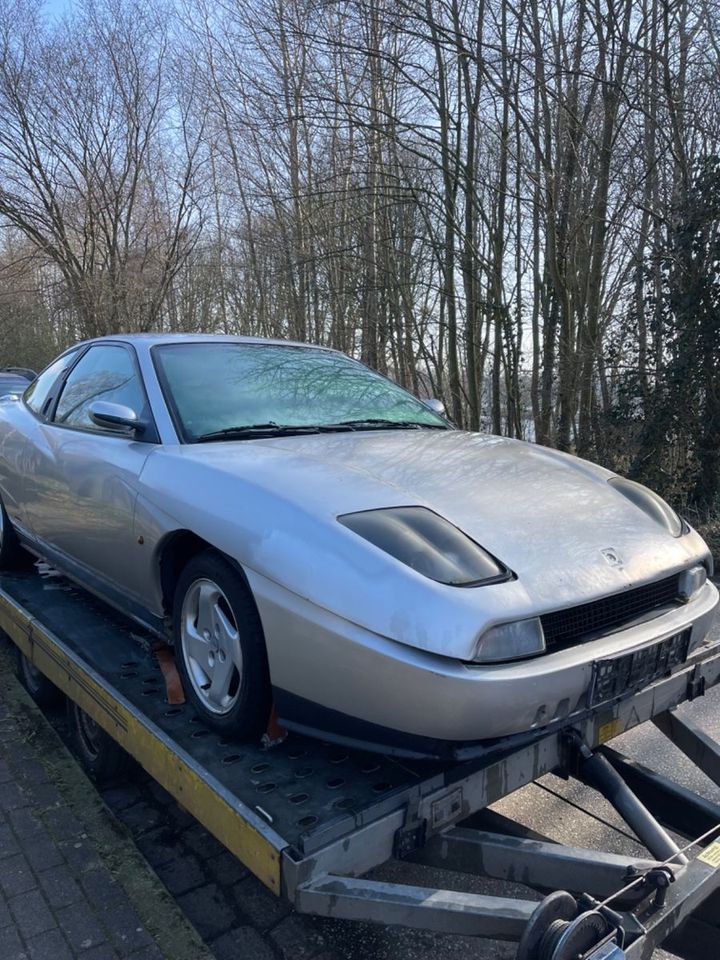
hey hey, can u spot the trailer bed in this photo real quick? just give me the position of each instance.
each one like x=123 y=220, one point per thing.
x=308 y=817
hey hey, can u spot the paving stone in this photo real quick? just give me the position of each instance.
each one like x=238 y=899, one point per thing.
x=17 y=752
x=208 y=910
x=11 y=796
x=8 y=841
x=158 y=846
x=121 y=796
x=16 y=876
x=42 y=853
x=49 y=946
x=5 y=915
x=63 y=823
x=59 y=887
x=100 y=888
x=5 y=772
x=296 y=939
x=181 y=875
x=11 y=947
x=10 y=737
x=31 y=913
x=24 y=822
x=262 y=908
x=154 y=953
x=241 y=943
x=226 y=869
x=179 y=817
x=32 y=772
x=160 y=794
x=141 y=817
x=103 y=952
x=46 y=795
x=80 y=855
x=201 y=842
x=125 y=927
x=80 y=926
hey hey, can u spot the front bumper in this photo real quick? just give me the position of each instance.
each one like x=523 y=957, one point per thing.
x=317 y=658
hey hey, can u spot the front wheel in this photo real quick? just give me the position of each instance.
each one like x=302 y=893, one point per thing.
x=220 y=647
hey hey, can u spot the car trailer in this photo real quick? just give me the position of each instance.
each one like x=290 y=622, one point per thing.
x=311 y=819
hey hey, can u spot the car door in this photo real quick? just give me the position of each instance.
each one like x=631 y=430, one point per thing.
x=20 y=435
x=87 y=477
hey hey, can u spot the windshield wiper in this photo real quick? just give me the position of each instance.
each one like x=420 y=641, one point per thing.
x=254 y=430
x=378 y=423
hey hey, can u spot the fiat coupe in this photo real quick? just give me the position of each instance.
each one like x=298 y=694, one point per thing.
x=309 y=535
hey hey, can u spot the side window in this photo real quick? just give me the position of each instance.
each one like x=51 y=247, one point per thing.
x=106 y=372
x=38 y=393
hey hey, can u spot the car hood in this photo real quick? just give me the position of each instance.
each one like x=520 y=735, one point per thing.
x=546 y=515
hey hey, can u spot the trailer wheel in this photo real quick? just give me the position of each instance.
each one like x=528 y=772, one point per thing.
x=102 y=757
x=42 y=690
x=11 y=553
x=220 y=647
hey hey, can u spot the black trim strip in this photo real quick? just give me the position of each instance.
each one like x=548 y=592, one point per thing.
x=76 y=675
x=304 y=716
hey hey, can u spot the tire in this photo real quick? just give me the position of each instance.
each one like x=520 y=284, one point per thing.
x=102 y=757
x=11 y=553
x=42 y=690
x=220 y=647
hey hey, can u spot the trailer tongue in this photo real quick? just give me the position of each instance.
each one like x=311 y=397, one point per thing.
x=311 y=819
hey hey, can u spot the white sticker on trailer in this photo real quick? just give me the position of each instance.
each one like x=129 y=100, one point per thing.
x=711 y=854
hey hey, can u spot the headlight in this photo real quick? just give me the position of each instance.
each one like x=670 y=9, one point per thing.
x=511 y=641
x=429 y=544
x=651 y=504
x=691 y=581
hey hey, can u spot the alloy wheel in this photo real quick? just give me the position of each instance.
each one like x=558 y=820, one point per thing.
x=210 y=641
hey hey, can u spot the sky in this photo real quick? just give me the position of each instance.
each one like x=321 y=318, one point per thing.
x=56 y=8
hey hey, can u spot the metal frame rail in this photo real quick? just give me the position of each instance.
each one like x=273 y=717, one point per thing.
x=311 y=820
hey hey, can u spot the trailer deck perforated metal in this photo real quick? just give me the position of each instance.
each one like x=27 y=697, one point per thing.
x=311 y=819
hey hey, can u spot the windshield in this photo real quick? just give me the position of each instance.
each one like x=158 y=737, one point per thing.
x=224 y=386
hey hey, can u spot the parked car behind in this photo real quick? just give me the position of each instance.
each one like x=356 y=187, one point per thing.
x=15 y=380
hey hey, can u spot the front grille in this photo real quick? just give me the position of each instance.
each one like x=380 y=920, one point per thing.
x=577 y=624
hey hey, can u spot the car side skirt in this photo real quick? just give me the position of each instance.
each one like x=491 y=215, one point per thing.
x=98 y=586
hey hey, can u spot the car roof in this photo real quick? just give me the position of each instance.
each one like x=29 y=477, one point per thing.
x=10 y=381
x=153 y=339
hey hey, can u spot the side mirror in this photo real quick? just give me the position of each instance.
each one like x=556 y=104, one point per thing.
x=437 y=406
x=114 y=416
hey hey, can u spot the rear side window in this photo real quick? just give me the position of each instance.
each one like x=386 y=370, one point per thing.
x=40 y=390
x=105 y=372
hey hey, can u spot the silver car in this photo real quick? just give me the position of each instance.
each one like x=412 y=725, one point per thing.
x=310 y=535
x=14 y=381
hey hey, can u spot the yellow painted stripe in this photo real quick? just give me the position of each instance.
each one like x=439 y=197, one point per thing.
x=222 y=818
